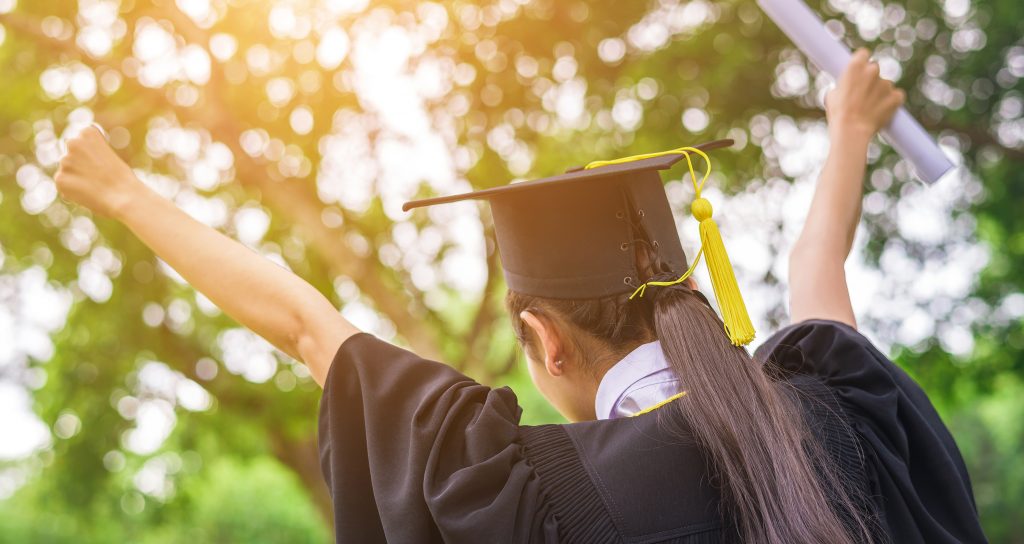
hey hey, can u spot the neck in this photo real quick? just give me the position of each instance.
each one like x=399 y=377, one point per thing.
x=601 y=358
x=586 y=386
x=588 y=392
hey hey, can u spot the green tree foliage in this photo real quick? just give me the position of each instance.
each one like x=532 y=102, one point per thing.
x=300 y=127
x=230 y=501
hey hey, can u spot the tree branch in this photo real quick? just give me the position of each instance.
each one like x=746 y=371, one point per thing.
x=476 y=338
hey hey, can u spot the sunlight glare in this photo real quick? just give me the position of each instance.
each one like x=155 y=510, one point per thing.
x=333 y=48
x=344 y=7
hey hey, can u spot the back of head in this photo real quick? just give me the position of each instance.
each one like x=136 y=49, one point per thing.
x=769 y=466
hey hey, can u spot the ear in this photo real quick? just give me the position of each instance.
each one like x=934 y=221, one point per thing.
x=552 y=348
x=691 y=283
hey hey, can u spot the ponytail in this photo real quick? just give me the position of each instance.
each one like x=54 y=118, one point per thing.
x=752 y=430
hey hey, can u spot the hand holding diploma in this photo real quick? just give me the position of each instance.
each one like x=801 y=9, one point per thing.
x=862 y=103
x=904 y=133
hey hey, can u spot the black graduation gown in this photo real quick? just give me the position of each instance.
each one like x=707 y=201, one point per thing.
x=413 y=451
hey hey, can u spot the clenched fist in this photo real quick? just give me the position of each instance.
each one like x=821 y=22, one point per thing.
x=862 y=101
x=92 y=175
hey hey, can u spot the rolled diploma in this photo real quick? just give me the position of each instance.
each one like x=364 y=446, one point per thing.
x=904 y=133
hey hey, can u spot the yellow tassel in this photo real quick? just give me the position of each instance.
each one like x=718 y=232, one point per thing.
x=734 y=312
x=738 y=327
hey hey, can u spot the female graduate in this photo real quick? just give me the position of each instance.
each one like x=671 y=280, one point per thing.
x=679 y=435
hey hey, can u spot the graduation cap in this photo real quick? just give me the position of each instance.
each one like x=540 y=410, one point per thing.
x=573 y=236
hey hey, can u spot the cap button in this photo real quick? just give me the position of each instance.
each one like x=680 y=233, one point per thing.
x=701 y=209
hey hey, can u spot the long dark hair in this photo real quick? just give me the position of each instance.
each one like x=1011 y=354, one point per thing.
x=772 y=471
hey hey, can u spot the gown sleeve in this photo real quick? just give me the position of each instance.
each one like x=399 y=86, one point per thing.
x=921 y=487
x=414 y=451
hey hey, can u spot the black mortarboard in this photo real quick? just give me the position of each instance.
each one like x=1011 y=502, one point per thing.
x=573 y=236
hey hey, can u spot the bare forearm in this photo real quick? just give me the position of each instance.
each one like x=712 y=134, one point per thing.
x=266 y=298
x=817 y=277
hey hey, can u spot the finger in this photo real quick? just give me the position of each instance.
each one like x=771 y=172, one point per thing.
x=881 y=89
x=73 y=145
x=859 y=57
x=891 y=104
x=826 y=99
x=901 y=96
x=98 y=128
x=873 y=69
x=61 y=180
x=897 y=98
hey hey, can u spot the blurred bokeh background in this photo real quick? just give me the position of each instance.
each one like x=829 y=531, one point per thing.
x=132 y=410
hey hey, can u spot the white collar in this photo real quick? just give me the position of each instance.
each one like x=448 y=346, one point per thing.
x=641 y=379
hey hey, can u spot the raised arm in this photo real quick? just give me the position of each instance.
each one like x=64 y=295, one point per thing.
x=860 y=105
x=276 y=304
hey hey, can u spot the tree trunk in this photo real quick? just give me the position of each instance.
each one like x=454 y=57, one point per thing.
x=303 y=457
